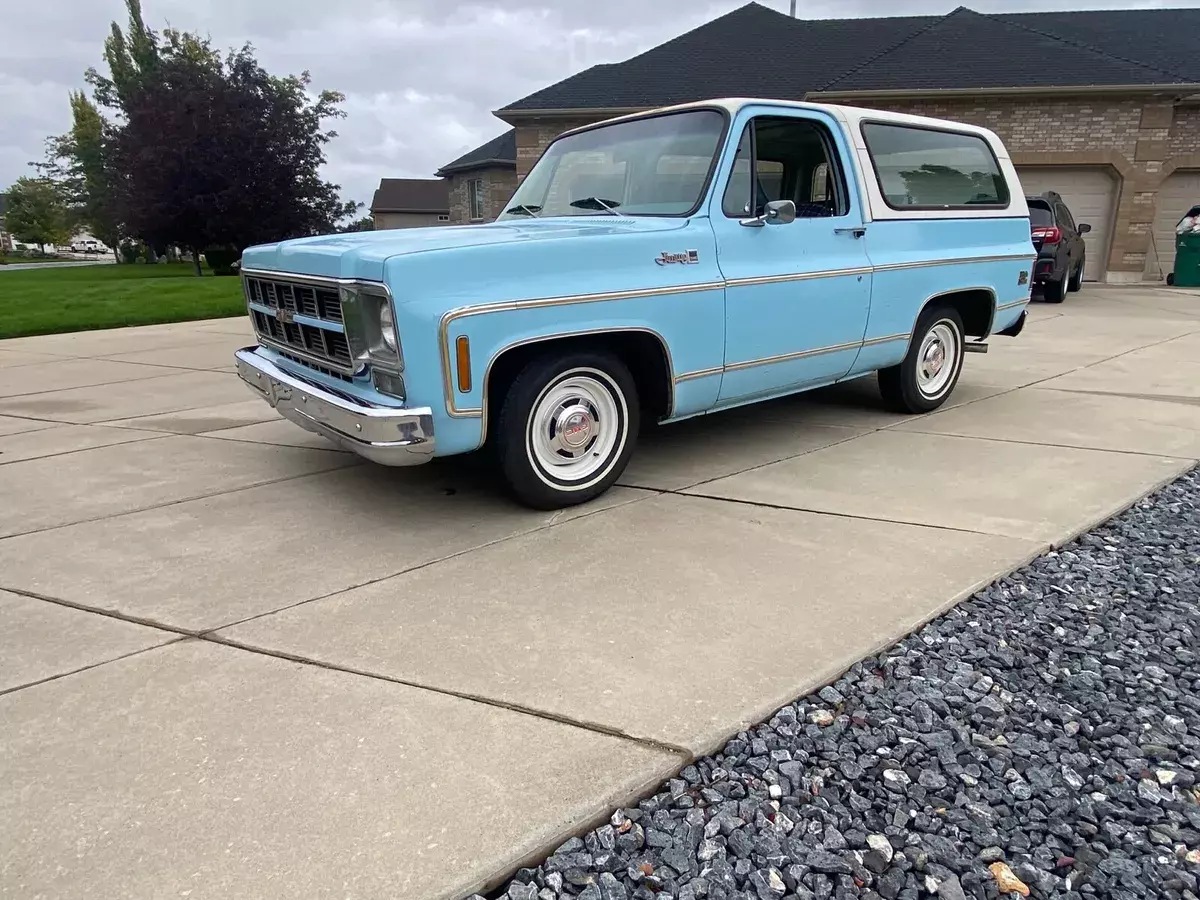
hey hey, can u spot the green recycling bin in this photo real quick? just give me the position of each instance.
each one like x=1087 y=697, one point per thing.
x=1187 y=259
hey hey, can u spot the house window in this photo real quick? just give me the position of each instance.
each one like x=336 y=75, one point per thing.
x=443 y=218
x=475 y=198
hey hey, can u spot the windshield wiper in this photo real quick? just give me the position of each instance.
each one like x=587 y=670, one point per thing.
x=597 y=203
x=524 y=208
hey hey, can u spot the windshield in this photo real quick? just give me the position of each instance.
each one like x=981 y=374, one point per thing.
x=1040 y=215
x=656 y=166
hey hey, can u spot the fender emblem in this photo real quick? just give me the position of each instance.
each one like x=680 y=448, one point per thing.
x=286 y=316
x=687 y=258
x=1023 y=278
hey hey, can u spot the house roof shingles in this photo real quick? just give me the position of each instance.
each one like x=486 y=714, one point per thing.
x=412 y=195
x=500 y=150
x=756 y=51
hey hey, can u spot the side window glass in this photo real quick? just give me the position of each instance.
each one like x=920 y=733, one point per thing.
x=918 y=167
x=1066 y=216
x=793 y=161
x=819 y=192
x=737 y=200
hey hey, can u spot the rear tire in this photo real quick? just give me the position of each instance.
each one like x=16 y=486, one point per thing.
x=930 y=370
x=1055 y=291
x=567 y=428
x=1076 y=282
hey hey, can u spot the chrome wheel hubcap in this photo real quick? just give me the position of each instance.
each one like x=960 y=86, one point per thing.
x=573 y=429
x=937 y=359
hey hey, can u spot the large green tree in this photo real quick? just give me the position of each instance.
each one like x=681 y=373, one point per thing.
x=36 y=213
x=212 y=150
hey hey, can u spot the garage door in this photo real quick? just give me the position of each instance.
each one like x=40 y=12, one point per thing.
x=1091 y=196
x=1179 y=193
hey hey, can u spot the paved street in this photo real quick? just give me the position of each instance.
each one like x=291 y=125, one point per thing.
x=235 y=662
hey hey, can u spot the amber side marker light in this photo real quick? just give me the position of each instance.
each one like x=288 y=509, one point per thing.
x=462 y=349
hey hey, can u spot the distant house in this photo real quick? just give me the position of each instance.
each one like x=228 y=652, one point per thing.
x=411 y=203
x=1100 y=106
x=480 y=181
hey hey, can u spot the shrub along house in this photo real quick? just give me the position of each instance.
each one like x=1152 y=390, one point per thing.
x=1103 y=106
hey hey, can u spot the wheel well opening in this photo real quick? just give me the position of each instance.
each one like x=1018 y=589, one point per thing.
x=642 y=352
x=974 y=306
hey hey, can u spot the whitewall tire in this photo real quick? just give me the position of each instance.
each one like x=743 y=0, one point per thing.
x=567 y=428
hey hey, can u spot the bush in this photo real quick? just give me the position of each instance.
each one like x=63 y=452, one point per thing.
x=221 y=260
x=129 y=252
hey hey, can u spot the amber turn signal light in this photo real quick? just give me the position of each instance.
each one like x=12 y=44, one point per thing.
x=463 y=356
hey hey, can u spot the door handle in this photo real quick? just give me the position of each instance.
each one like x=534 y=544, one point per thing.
x=856 y=230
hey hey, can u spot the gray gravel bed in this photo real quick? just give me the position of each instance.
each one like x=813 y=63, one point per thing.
x=1041 y=739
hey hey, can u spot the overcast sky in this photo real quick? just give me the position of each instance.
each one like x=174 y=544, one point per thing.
x=421 y=77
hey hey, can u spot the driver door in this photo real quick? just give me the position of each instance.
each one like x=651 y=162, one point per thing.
x=797 y=293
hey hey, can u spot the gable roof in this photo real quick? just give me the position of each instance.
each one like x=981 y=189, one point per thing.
x=499 y=151
x=756 y=51
x=946 y=54
x=412 y=195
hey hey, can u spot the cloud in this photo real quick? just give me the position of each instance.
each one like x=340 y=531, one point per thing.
x=421 y=77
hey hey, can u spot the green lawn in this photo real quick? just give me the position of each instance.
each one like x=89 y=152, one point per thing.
x=54 y=299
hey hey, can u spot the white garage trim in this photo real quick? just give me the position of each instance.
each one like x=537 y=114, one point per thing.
x=1179 y=193
x=1090 y=193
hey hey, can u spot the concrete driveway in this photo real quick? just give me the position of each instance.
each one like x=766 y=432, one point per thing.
x=235 y=662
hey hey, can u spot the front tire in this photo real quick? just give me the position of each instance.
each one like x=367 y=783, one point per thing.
x=567 y=428
x=930 y=370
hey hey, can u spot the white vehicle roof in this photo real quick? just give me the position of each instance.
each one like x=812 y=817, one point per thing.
x=851 y=118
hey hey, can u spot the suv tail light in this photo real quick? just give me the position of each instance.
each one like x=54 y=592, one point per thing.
x=1048 y=235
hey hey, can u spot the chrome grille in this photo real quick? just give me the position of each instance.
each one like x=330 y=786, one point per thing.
x=314 y=344
x=306 y=299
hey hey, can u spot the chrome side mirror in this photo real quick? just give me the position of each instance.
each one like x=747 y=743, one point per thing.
x=777 y=212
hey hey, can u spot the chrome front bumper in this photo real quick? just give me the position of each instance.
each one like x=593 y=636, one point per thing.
x=389 y=436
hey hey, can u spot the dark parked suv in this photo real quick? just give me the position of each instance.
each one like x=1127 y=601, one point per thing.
x=1059 y=244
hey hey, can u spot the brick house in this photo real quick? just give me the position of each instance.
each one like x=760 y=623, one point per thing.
x=1103 y=106
x=480 y=181
x=411 y=203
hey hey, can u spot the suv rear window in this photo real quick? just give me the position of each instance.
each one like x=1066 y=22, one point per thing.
x=926 y=168
x=1040 y=214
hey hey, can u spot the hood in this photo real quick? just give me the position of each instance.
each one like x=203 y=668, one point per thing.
x=362 y=254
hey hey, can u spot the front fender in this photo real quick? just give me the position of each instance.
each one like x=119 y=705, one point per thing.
x=499 y=297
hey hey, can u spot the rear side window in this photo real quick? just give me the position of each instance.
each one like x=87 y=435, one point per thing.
x=926 y=168
x=1040 y=214
x=1065 y=217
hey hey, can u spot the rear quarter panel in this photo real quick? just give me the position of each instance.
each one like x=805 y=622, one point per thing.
x=918 y=260
x=921 y=254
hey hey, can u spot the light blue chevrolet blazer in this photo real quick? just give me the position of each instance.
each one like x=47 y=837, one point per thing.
x=652 y=267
